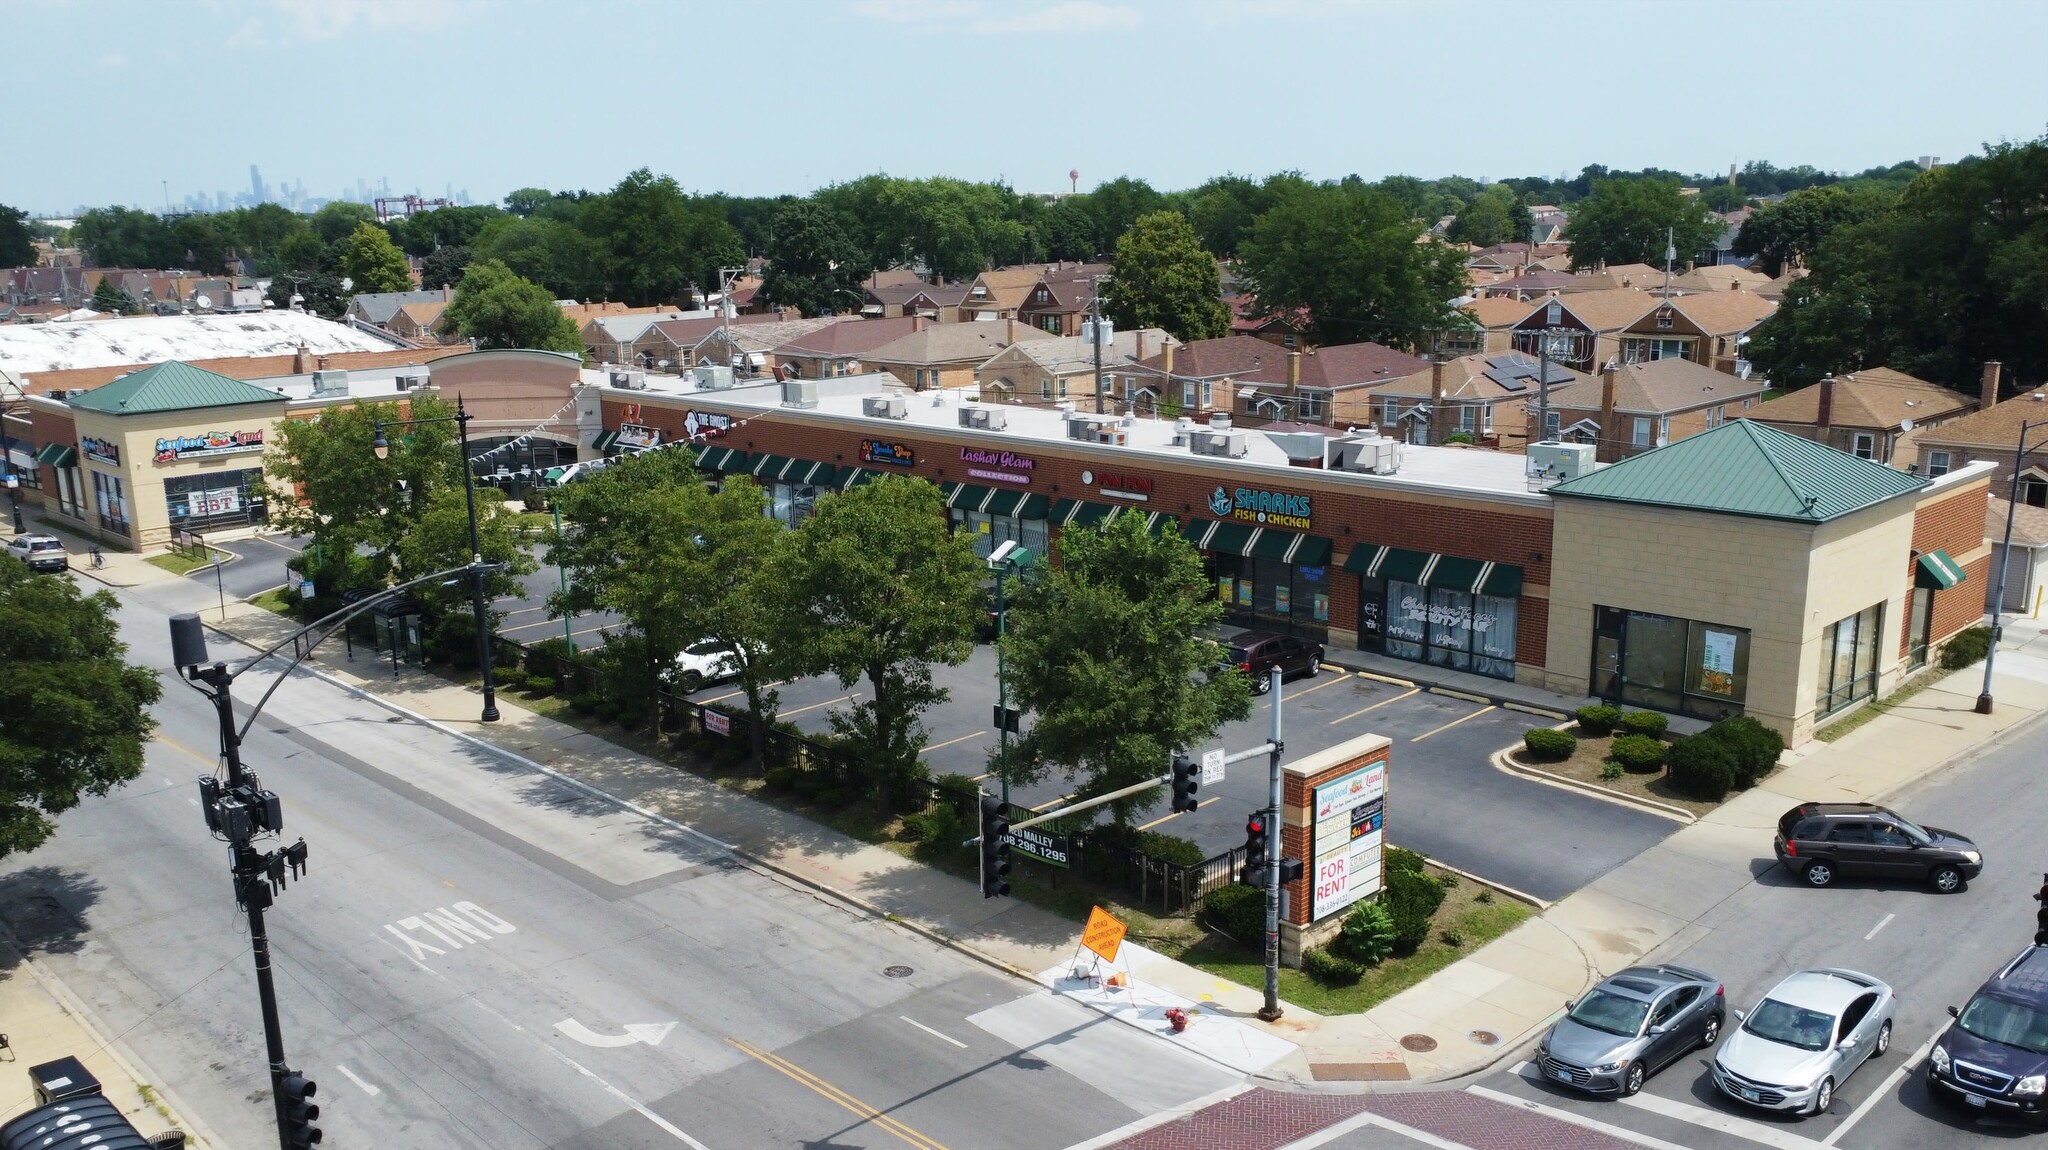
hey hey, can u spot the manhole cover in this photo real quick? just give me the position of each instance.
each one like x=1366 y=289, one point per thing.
x=1419 y=1043
x=1484 y=1037
x=898 y=971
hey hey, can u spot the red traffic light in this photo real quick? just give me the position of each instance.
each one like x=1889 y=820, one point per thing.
x=1255 y=826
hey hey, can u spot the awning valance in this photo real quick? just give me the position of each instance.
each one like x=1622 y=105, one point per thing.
x=606 y=442
x=57 y=455
x=1218 y=537
x=994 y=500
x=1452 y=572
x=767 y=466
x=721 y=459
x=1456 y=574
x=1404 y=565
x=803 y=472
x=852 y=477
x=1936 y=571
x=1501 y=579
x=1289 y=547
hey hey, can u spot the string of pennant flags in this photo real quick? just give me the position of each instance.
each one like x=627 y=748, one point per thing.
x=699 y=438
x=536 y=429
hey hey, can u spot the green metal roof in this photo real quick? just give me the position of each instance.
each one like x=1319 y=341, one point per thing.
x=1745 y=468
x=170 y=386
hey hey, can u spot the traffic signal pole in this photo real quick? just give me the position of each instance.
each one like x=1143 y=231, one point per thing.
x=1271 y=1010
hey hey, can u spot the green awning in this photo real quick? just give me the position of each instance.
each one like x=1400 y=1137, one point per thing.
x=1289 y=547
x=1155 y=521
x=1501 y=579
x=1033 y=507
x=1456 y=574
x=605 y=442
x=57 y=455
x=1404 y=565
x=1362 y=558
x=1218 y=537
x=969 y=496
x=852 y=477
x=1080 y=512
x=721 y=459
x=803 y=472
x=768 y=466
x=1936 y=571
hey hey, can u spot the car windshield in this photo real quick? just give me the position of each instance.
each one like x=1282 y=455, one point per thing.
x=1995 y=1020
x=1791 y=1025
x=1914 y=832
x=1611 y=1013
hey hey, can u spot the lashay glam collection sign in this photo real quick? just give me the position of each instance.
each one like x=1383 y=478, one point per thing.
x=997 y=466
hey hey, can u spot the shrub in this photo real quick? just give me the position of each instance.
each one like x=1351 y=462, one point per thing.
x=809 y=783
x=1410 y=899
x=1702 y=767
x=833 y=798
x=586 y=703
x=1645 y=723
x=1329 y=969
x=1401 y=858
x=606 y=710
x=1610 y=770
x=1965 y=648
x=1367 y=937
x=730 y=755
x=1754 y=747
x=1464 y=437
x=1546 y=743
x=541 y=658
x=1639 y=753
x=1237 y=910
x=1170 y=848
x=1452 y=939
x=508 y=678
x=780 y=778
x=944 y=830
x=539 y=686
x=1598 y=718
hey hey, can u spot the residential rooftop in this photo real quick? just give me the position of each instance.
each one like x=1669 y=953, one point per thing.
x=28 y=348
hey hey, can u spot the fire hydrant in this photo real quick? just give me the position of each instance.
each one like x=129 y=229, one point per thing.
x=1177 y=1018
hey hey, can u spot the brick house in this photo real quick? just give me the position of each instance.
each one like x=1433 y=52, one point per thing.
x=1706 y=328
x=939 y=355
x=1256 y=383
x=1989 y=434
x=1043 y=372
x=1480 y=396
x=837 y=349
x=1864 y=412
x=1630 y=408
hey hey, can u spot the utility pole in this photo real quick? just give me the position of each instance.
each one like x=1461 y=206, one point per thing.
x=2019 y=461
x=1270 y=1012
x=1095 y=311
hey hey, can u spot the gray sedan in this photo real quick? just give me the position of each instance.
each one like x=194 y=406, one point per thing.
x=1631 y=1025
x=1805 y=1038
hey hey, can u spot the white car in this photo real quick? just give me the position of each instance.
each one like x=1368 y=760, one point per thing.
x=704 y=662
x=1804 y=1039
x=43 y=553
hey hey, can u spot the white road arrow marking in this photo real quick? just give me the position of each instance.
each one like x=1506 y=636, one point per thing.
x=650 y=1033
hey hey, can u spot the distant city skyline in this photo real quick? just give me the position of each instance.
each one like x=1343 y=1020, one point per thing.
x=443 y=96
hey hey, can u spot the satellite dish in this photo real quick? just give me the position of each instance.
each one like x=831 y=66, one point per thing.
x=203 y=301
x=1906 y=424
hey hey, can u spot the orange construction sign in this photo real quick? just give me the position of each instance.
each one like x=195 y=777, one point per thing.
x=1103 y=934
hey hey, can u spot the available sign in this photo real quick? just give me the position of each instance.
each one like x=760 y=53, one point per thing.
x=1119 y=485
x=1001 y=466
x=101 y=450
x=883 y=451
x=212 y=443
x=1272 y=508
x=1052 y=850
x=1347 y=839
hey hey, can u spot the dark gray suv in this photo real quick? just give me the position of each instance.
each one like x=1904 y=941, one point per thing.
x=1822 y=842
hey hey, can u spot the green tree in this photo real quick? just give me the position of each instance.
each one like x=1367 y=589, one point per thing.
x=1106 y=652
x=301 y=252
x=653 y=243
x=319 y=293
x=1495 y=216
x=202 y=244
x=1161 y=277
x=73 y=714
x=499 y=309
x=549 y=252
x=112 y=298
x=1723 y=197
x=881 y=589
x=437 y=538
x=1117 y=205
x=1626 y=219
x=813 y=265
x=337 y=220
x=1350 y=255
x=369 y=258
x=444 y=267
x=124 y=238
x=257 y=231
x=526 y=201
x=331 y=485
x=17 y=242
x=1794 y=227
x=430 y=231
x=1069 y=231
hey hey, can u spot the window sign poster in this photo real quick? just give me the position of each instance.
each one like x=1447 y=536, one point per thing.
x=1244 y=592
x=1223 y=585
x=1281 y=600
x=1717 y=663
x=1347 y=839
x=1322 y=607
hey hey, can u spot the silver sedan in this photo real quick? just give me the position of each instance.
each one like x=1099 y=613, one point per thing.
x=1804 y=1039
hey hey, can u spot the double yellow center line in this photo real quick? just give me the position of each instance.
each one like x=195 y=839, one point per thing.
x=828 y=1091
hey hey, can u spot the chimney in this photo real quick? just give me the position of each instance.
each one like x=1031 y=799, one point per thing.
x=1436 y=399
x=1293 y=370
x=320 y=364
x=917 y=322
x=1141 y=343
x=1609 y=449
x=1166 y=361
x=1010 y=330
x=444 y=293
x=299 y=360
x=1989 y=396
x=1825 y=418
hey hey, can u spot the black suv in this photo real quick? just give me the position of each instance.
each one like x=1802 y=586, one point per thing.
x=1994 y=1056
x=1823 y=841
x=1256 y=653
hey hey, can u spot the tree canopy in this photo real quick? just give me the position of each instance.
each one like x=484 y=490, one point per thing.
x=499 y=309
x=112 y=298
x=1793 y=228
x=373 y=262
x=73 y=712
x=17 y=241
x=1495 y=216
x=813 y=264
x=1627 y=221
x=1162 y=278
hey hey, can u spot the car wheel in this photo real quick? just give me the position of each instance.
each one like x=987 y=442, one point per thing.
x=1824 y=1097
x=1946 y=879
x=692 y=682
x=1712 y=1032
x=1820 y=873
x=1261 y=684
x=1632 y=1082
x=1884 y=1040
x=1315 y=666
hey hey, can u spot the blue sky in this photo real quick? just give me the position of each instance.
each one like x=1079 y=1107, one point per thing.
x=761 y=97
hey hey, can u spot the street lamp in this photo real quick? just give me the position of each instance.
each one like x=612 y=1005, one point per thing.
x=1006 y=560
x=14 y=499
x=461 y=419
x=2019 y=460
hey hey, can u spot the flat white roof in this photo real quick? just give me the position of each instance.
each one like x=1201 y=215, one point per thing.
x=26 y=348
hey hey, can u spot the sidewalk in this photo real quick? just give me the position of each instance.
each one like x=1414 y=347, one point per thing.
x=1459 y=1021
x=42 y=1022
x=1484 y=688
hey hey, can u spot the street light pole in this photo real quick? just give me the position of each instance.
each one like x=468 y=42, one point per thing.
x=2019 y=460
x=1007 y=559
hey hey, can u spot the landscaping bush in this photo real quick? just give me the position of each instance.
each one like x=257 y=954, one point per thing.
x=508 y=678
x=606 y=711
x=1639 y=753
x=833 y=798
x=1237 y=910
x=1329 y=969
x=730 y=755
x=1401 y=858
x=1645 y=723
x=539 y=686
x=944 y=829
x=1367 y=937
x=1702 y=767
x=1754 y=747
x=780 y=778
x=586 y=703
x=1610 y=770
x=1170 y=848
x=1965 y=648
x=1410 y=899
x=1547 y=743
x=541 y=657
x=809 y=783
x=1598 y=718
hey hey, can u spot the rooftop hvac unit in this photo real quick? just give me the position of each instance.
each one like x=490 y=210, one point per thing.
x=1085 y=427
x=1219 y=421
x=622 y=379
x=1182 y=428
x=1373 y=455
x=984 y=418
x=409 y=382
x=885 y=407
x=800 y=393
x=1561 y=460
x=330 y=383
x=635 y=381
x=1223 y=444
x=1112 y=435
x=715 y=377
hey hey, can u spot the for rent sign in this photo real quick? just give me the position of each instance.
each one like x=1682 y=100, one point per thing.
x=1347 y=839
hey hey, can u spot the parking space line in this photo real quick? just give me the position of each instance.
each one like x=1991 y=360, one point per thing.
x=1375 y=706
x=1177 y=814
x=1881 y=924
x=950 y=742
x=1883 y=1090
x=279 y=546
x=1721 y=1123
x=720 y=698
x=933 y=1033
x=1563 y=1115
x=1052 y=804
x=1312 y=690
x=815 y=706
x=1454 y=722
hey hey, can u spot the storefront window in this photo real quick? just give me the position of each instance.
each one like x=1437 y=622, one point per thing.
x=220 y=499
x=1670 y=664
x=988 y=531
x=1848 y=660
x=1921 y=622
x=108 y=499
x=791 y=504
x=70 y=497
x=1268 y=595
x=1438 y=625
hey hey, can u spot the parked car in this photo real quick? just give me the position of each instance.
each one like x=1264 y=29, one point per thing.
x=1633 y=1024
x=1821 y=842
x=1804 y=1039
x=1994 y=1056
x=40 y=552
x=1257 y=652
x=704 y=663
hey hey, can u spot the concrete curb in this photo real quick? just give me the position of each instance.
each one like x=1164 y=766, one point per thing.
x=1541 y=905
x=1501 y=701
x=1503 y=761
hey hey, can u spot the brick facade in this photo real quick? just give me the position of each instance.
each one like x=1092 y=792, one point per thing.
x=1952 y=521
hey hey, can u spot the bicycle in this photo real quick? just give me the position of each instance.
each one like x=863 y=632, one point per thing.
x=99 y=559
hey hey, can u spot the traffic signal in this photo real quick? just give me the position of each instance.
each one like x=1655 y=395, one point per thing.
x=995 y=847
x=1290 y=869
x=2041 y=915
x=1254 y=850
x=300 y=1111
x=1185 y=783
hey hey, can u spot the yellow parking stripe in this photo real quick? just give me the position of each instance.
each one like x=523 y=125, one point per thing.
x=1454 y=722
x=832 y=1093
x=1374 y=707
x=950 y=742
x=1331 y=682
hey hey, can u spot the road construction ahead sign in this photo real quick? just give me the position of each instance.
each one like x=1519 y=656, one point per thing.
x=1103 y=934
